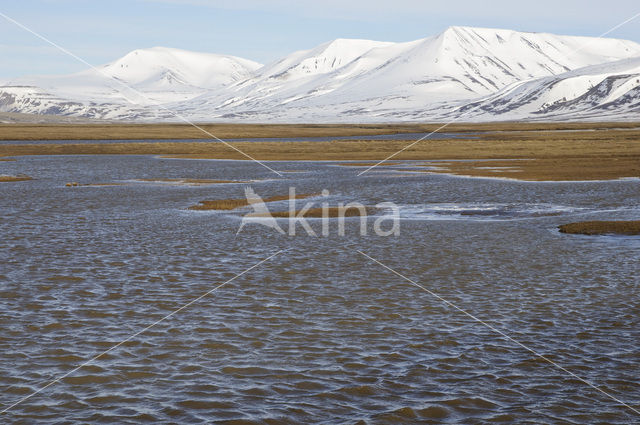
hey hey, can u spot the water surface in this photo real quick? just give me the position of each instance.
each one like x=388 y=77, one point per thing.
x=318 y=334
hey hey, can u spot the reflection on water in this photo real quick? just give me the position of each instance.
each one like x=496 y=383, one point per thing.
x=319 y=334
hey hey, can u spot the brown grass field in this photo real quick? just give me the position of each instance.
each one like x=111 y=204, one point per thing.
x=531 y=151
x=630 y=228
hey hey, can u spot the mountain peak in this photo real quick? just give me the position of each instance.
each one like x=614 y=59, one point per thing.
x=347 y=49
x=456 y=28
x=322 y=59
x=154 y=64
x=466 y=28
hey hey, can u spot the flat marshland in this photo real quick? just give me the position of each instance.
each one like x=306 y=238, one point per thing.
x=534 y=152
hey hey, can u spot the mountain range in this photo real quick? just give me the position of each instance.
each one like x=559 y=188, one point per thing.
x=468 y=74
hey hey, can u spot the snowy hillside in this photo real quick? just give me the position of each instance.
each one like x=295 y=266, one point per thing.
x=504 y=74
x=158 y=74
x=597 y=91
x=34 y=100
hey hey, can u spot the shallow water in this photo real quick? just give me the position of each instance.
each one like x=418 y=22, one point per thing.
x=319 y=333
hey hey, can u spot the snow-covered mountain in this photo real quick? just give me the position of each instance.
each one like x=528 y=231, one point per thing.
x=388 y=81
x=486 y=73
x=599 y=91
x=147 y=77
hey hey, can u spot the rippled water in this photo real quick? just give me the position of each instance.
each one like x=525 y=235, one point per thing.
x=319 y=333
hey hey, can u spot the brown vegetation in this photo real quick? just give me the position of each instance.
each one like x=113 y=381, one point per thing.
x=330 y=212
x=99 y=131
x=230 y=204
x=606 y=167
x=19 y=178
x=602 y=228
x=219 y=204
x=185 y=131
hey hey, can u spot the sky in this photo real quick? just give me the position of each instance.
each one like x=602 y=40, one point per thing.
x=264 y=30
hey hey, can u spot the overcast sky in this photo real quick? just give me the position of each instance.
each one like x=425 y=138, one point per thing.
x=264 y=30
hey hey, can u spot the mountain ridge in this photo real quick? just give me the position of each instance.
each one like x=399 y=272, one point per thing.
x=342 y=79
